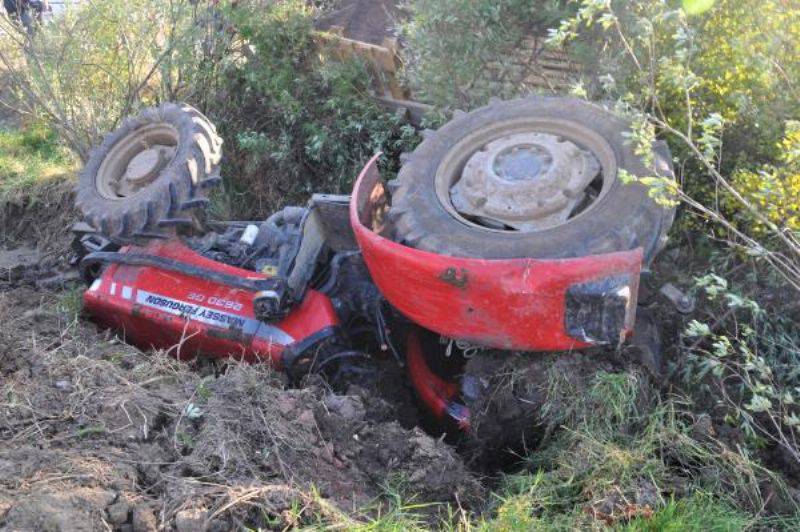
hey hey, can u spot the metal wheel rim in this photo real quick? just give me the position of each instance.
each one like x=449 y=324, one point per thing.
x=112 y=170
x=452 y=165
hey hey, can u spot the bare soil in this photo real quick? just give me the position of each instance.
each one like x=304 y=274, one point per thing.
x=97 y=434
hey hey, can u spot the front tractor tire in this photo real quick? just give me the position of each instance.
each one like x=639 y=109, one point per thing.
x=150 y=178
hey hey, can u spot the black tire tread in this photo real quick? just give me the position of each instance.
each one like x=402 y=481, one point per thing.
x=175 y=199
x=631 y=219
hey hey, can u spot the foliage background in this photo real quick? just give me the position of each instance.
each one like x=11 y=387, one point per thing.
x=457 y=50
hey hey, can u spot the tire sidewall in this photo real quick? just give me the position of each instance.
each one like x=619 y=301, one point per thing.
x=597 y=230
x=154 y=201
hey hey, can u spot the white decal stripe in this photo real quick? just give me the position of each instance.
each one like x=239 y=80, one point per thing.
x=113 y=290
x=127 y=292
x=217 y=318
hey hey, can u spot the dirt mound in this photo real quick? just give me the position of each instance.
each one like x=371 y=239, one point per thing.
x=35 y=237
x=39 y=218
x=364 y=20
x=251 y=428
x=97 y=434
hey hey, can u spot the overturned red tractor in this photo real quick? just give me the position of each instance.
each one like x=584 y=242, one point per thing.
x=508 y=230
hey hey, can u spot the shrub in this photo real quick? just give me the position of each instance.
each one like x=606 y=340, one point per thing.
x=99 y=62
x=714 y=87
x=748 y=358
x=296 y=121
x=459 y=51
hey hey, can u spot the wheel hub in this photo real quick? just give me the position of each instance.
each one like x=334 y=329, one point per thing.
x=525 y=181
x=143 y=169
x=136 y=160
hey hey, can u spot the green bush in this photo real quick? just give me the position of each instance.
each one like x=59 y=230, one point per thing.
x=775 y=187
x=737 y=59
x=458 y=50
x=748 y=360
x=99 y=62
x=295 y=121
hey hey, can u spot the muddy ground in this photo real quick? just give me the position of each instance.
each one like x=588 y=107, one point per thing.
x=99 y=435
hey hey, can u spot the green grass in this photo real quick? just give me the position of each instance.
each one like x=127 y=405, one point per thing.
x=700 y=512
x=30 y=157
x=618 y=445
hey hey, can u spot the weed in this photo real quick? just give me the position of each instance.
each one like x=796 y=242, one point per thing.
x=394 y=511
x=186 y=440
x=29 y=157
x=697 y=513
x=70 y=304
x=91 y=431
x=204 y=390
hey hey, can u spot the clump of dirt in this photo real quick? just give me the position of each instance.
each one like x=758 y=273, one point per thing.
x=40 y=218
x=35 y=237
x=530 y=395
x=363 y=20
x=98 y=434
x=251 y=428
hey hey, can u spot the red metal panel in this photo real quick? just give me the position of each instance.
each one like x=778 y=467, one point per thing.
x=161 y=309
x=516 y=304
x=439 y=395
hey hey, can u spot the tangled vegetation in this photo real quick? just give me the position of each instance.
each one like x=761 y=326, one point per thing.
x=294 y=120
x=716 y=446
x=297 y=121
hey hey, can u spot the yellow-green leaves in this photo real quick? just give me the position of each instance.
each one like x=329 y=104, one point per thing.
x=697 y=7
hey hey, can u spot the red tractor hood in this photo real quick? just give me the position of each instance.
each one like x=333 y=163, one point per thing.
x=515 y=304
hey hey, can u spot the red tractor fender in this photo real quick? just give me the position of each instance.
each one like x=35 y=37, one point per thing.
x=513 y=304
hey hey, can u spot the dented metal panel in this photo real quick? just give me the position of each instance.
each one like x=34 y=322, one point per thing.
x=516 y=304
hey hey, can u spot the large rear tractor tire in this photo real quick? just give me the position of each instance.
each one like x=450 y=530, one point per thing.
x=150 y=178
x=536 y=177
